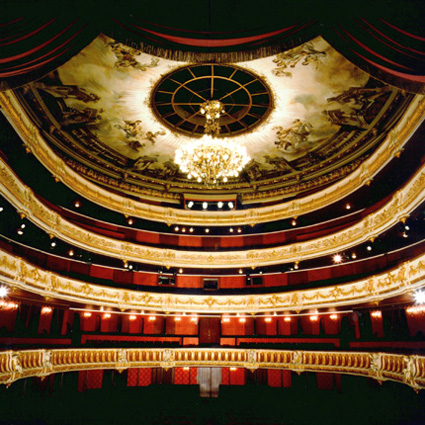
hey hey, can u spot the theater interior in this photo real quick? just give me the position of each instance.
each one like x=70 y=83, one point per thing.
x=212 y=212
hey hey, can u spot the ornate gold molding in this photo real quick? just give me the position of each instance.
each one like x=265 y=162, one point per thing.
x=390 y=148
x=18 y=273
x=406 y=369
x=398 y=208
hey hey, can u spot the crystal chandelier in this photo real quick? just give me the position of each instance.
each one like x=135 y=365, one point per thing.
x=211 y=159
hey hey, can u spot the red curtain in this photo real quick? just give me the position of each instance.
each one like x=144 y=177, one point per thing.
x=388 y=43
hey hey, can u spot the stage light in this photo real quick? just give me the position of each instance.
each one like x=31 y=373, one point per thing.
x=419 y=296
x=337 y=258
x=3 y=291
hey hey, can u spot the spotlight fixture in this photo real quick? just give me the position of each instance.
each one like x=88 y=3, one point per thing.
x=231 y=230
x=225 y=319
x=287 y=319
x=177 y=319
x=406 y=227
x=53 y=244
x=191 y=230
x=405 y=235
x=419 y=296
x=183 y=229
x=347 y=206
x=204 y=205
x=1 y=209
x=23 y=226
x=353 y=255
x=46 y=310
x=190 y=204
x=337 y=258
x=130 y=266
x=3 y=291
x=242 y=320
x=294 y=222
x=231 y=205
x=87 y=314
x=333 y=316
x=207 y=230
x=20 y=232
x=106 y=316
x=71 y=253
x=180 y=270
x=268 y=319
x=296 y=266
x=314 y=318
x=220 y=204
x=133 y=317
x=77 y=204
x=240 y=271
x=369 y=248
x=176 y=229
x=152 y=318
x=130 y=221
x=239 y=230
x=376 y=314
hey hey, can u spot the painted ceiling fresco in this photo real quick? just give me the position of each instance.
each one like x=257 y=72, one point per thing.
x=323 y=118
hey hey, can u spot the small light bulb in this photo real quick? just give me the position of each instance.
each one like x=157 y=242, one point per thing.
x=220 y=204
x=231 y=205
x=190 y=204
x=3 y=291
x=204 y=205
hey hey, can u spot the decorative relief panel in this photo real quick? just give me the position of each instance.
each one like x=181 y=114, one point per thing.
x=16 y=273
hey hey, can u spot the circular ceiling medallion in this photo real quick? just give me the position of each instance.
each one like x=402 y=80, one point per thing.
x=179 y=97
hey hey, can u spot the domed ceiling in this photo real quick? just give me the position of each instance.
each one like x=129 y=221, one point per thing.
x=307 y=117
